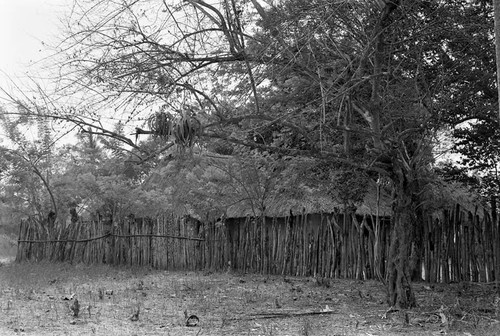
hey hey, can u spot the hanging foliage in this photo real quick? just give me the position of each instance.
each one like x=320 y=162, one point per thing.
x=161 y=124
x=184 y=130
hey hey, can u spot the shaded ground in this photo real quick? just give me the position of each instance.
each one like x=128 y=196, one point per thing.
x=35 y=299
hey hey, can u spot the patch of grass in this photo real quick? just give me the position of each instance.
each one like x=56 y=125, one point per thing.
x=37 y=298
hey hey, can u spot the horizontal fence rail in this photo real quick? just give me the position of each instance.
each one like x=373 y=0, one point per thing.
x=107 y=235
x=165 y=242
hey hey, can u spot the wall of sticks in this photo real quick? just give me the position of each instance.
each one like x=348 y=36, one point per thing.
x=454 y=245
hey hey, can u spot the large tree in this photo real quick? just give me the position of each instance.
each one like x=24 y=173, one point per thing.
x=350 y=84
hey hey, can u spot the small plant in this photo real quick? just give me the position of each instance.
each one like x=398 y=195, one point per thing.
x=136 y=310
x=269 y=330
x=306 y=328
x=323 y=282
x=75 y=308
x=277 y=302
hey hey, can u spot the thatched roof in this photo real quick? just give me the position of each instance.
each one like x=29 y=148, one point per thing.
x=314 y=202
x=442 y=196
x=213 y=185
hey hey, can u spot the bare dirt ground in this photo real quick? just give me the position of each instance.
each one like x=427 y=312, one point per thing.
x=36 y=299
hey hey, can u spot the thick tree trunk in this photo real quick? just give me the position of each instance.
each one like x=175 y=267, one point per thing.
x=496 y=236
x=399 y=289
x=417 y=245
x=496 y=7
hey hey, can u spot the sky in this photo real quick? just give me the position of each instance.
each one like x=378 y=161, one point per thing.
x=26 y=26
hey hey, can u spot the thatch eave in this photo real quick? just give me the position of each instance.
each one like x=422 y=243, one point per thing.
x=313 y=202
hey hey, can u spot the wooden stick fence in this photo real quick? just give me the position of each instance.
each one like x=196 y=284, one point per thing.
x=165 y=242
x=457 y=245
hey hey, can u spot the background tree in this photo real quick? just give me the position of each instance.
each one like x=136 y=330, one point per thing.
x=28 y=168
x=468 y=101
x=57 y=184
